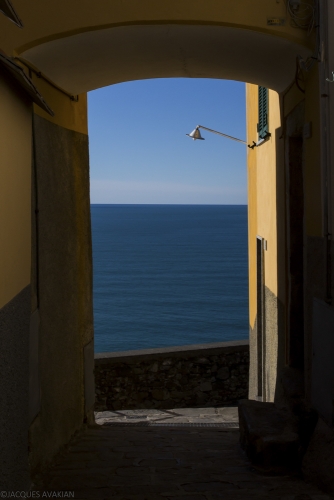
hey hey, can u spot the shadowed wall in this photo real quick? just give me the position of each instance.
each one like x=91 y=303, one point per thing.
x=64 y=285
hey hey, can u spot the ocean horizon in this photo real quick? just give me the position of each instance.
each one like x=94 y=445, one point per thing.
x=169 y=275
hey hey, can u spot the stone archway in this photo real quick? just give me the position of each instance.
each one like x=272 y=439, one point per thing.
x=70 y=49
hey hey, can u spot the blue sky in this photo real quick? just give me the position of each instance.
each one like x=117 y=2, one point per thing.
x=139 y=152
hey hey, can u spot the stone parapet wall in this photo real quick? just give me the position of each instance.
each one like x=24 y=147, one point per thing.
x=175 y=377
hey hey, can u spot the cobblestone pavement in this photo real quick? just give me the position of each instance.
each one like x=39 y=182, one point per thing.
x=167 y=454
x=198 y=416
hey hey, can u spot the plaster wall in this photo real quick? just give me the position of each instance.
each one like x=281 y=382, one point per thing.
x=15 y=190
x=44 y=22
x=268 y=214
x=274 y=346
x=64 y=286
x=313 y=175
x=15 y=301
x=266 y=193
x=70 y=114
x=253 y=363
x=83 y=46
x=265 y=202
x=14 y=394
x=252 y=113
x=315 y=287
x=274 y=350
x=314 y=279
x=318 y=464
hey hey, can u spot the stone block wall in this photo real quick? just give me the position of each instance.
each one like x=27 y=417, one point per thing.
x=175 y=377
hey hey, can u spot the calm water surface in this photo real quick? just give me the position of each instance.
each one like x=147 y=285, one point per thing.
x=167 y=275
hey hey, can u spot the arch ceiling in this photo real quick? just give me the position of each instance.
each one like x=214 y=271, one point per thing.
x=96 y=58
x=85 y=44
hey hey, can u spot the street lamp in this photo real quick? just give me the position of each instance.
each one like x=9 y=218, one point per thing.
x=196 y=134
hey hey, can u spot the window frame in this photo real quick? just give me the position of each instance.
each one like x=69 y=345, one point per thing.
x=263 y=101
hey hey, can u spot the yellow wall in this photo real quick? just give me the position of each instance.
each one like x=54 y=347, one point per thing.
x=15 y=192
x=252 y=113
x=49 y=20
x=266 y=194
x=265 y=203
x=268 y=204
x=15 y=175
x=68 y=113
x=65 y=271
x=262 y=198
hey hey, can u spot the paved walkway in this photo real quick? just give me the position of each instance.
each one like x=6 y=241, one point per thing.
x=188 y=454
x=223 y=417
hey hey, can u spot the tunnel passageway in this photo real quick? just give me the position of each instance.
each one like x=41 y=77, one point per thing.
x=190 y=454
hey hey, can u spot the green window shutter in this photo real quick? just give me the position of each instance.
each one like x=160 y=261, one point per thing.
x=262 y=126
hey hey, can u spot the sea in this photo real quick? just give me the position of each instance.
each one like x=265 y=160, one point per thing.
x=169 y=275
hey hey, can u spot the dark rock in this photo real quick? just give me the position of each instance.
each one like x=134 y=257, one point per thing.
x=269 y=435
x=223 y=373
x=203 y=361
x=205 y=386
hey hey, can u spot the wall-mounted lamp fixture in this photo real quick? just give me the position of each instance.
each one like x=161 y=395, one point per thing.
x=196 y=135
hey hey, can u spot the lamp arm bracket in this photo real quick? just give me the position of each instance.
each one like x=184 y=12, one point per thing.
x=220 y=133
x=261 y=141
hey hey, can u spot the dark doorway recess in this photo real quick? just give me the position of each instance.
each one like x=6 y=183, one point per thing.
x=296 y=252
x=260 y=314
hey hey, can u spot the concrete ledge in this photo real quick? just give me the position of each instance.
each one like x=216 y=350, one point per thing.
x=174 y=377
x=177 y=351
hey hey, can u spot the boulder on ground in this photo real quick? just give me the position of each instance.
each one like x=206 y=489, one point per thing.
x=269 y=435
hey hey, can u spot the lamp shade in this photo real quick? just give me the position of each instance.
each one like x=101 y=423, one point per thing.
x=196 y=134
